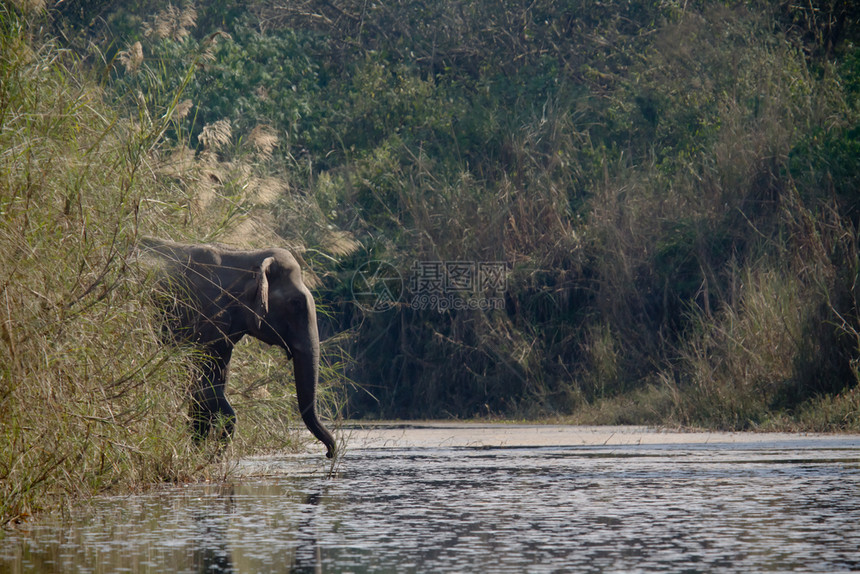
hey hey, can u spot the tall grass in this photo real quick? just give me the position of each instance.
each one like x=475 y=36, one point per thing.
x=88 y=396
x=91 y=399
x=743 y=359
x=781 y=351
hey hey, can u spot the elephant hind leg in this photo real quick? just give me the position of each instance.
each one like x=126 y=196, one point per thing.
x=201 y=421
x=204 y=405
x=225 y=418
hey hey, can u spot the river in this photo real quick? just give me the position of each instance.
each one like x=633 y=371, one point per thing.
x=486 y=498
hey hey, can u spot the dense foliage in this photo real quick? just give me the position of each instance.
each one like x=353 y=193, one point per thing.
x=671 y=186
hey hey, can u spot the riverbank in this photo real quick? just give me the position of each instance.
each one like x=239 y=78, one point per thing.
x=501 y=435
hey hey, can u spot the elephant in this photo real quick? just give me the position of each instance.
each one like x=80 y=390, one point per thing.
x=214 y=296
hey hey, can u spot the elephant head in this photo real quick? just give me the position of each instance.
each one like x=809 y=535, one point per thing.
x=220 y=295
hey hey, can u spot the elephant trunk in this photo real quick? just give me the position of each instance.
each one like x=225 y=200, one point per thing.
x=306 y=366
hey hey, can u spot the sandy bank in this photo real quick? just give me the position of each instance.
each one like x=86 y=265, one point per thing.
x=460 y=434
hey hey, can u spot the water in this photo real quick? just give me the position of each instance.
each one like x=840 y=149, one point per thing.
x=415 y=503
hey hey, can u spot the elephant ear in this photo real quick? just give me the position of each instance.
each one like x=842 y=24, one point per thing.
x=261 y=300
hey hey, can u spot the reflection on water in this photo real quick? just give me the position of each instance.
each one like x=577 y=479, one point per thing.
x=694 y=508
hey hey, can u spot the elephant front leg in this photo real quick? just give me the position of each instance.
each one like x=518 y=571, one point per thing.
x=209 y=405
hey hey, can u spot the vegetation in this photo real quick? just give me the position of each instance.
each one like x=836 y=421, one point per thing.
x=90 y=398
x=672 y=188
